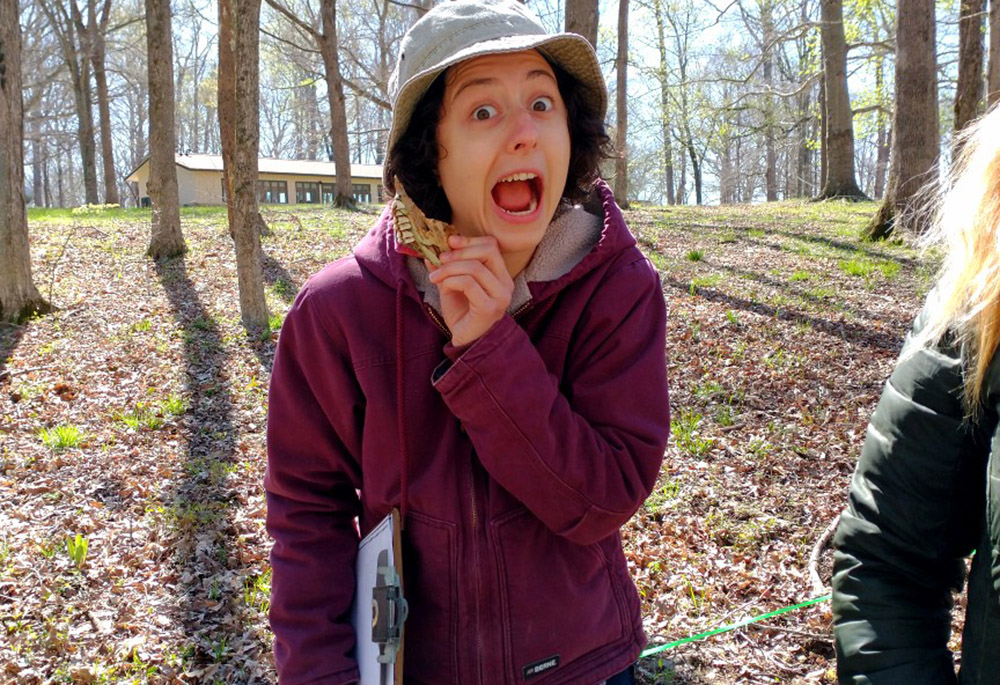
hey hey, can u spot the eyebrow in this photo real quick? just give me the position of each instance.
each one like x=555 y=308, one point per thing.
x=490 y=80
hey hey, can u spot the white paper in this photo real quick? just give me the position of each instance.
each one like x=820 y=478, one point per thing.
x=366 y=652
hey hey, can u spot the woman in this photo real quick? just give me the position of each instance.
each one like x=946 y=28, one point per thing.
x=511 y=402
x=926 y=492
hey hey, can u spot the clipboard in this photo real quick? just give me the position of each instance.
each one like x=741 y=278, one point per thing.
x=379 y=605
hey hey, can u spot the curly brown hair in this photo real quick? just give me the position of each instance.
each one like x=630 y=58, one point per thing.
x=416 y=151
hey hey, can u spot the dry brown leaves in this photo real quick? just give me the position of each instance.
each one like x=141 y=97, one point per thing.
x=777 y=355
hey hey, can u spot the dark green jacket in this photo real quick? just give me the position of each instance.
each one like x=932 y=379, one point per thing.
x=924 y=496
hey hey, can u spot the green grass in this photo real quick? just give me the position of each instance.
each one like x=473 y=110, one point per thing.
x=61 y=437
x=695 y=255
x=686 y=434
x=800 y=276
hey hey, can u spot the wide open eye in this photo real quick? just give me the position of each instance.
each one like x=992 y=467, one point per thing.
x=542 y=104
x=484 y=112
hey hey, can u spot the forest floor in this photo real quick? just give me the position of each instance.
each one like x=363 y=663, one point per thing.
x=132 y=541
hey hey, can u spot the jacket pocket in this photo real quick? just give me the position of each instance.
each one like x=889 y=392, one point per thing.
x=560 y=600
x=430 y=586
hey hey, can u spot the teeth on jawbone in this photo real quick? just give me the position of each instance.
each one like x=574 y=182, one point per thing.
x=532 y=207
x=523 y=176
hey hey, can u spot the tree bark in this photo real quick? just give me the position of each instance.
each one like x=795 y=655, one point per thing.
x=993 y=74
x=338 y=106
x=668 y=153
x=77 y=58
x=166 y=239
x=239 y=36
x=969 y=90
x=839 y=141
x=19 y=298
x=770 y=153
x=621 y=115
x=582 y=18
x=98 y=29
x=915 y=122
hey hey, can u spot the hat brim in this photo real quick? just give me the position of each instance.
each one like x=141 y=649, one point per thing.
x=570 y=51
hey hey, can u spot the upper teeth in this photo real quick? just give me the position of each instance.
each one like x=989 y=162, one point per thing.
x=523 y=176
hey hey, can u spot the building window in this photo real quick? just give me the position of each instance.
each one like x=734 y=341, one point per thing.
x=307 y=192
x=273 y=192
x=329 y=193
x=224 y=200
x=362 y=192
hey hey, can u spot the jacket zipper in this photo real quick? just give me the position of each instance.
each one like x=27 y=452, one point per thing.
x=475 y=551
x=431 y=312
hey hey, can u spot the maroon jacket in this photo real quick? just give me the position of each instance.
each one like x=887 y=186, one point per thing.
x=515 y=461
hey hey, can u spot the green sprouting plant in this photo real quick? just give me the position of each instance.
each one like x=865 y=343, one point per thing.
x=662 y=496
x=800 y=276
x=220 y=649
x=174 y=405
x=724 y=415
x=695 y=255
x=61 y=437
x=76 y=548
x=687 y=436
x=732 y=317
x=274 y=322
x=257 y=591
x=759 y=449
x=142 y=416
x=283 y=289
x=858 y=266
x=709 y=281
x=142 y=326
x=707 y=389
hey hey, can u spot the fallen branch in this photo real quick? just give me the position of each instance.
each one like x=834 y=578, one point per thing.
x=818 y=585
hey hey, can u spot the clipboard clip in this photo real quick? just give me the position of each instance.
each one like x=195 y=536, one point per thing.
x=389 y=610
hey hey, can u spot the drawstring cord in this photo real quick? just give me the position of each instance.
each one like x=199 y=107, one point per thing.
x=401 y=404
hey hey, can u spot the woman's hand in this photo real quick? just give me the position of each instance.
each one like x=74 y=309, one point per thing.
x=475 y=287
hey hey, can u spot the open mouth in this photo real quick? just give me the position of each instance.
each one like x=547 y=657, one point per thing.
x=518 y=194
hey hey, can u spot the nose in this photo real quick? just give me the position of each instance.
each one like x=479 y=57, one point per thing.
x=524 y=132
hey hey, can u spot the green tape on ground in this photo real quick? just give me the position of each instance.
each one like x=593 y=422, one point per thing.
x=733 y=626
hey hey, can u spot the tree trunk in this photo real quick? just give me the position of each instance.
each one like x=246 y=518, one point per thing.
x=839 y=142
x=621 y=115
x=668 y=153
x=97 y=30
x=36 y=170
x=993 y=74
x=969 y=90
x=582 y=18
x=770 y=154
x=239 y=36
x=915 y=121
x=166 y=239
x=19 y=298
x=77 y=58
x=338 y=106
x=882 y=159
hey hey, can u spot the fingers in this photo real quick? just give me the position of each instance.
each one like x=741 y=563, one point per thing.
x=484 y=249
x=476 y=257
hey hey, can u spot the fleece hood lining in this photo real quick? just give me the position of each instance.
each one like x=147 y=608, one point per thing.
x=572 y=234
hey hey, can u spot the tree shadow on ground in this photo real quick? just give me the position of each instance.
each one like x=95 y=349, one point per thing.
x=861 y=248
x=205 y=551
x=784 y=287
x=852 y=333
x=282 y=283
x=10 y=336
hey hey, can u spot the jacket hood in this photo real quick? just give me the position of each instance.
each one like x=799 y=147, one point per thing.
x=376 y=251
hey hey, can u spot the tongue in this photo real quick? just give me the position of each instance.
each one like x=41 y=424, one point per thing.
x=513 y=196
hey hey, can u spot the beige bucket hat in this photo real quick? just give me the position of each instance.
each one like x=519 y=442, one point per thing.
x=457 y=30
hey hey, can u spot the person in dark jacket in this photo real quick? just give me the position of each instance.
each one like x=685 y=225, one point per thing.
x=511 y=402
x=926 y=492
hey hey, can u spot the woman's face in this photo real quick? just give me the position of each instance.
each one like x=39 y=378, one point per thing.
x=504 y=150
